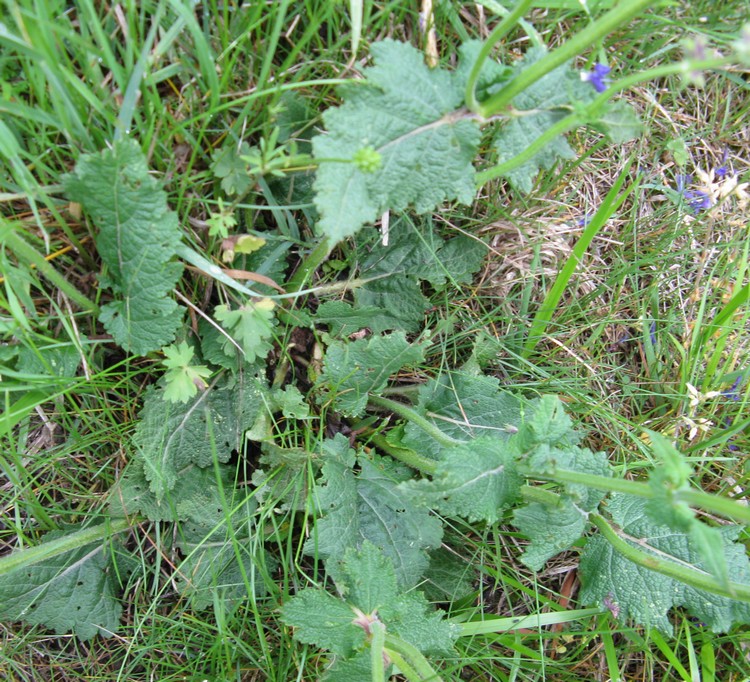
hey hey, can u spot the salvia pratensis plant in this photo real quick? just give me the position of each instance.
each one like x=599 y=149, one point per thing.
x=405 y=139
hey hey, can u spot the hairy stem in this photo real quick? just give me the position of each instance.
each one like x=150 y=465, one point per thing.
x=697 y=498
x=500 y=31
x=33 y=555
x=582 y=41
x=405 y=455
x=689 y=576
x=414 y=417
x=413 y=657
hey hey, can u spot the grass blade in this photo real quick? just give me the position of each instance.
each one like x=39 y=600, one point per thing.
x=543 y=316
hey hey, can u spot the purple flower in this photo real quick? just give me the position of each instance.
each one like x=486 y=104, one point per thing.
x=730 y=445
x=598 y=77
x=583 y=222
x=733 y=392
x=652 y=333
x=722 y=170
x=697 y=200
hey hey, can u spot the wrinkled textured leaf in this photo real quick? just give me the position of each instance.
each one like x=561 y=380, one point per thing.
x=647 y=596
x=540 y=106
x=172 y=436
x=369 y=506
x=544 y=460
x=369 y=586
x=395 y=271
x=619 y=122
x=370 y=583
x=60 y=361
x=138 y=236
x=210 y=568
x=323 y=620
x=464 y=406
x=449 y=577
x=549 y=443
x=195 y=496
x=407 y=113
x=549 y=424
x=476 y=481
x=344 y=319
x=351 y=371
x=551 y=529
x=72 y=592
x=356 y=669
x=493 y=75
x=399 y=300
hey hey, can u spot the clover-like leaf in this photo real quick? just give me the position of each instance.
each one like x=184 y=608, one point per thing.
x=251 y=325
x=183 y=379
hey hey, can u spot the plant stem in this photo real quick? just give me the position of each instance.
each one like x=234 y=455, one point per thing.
x=405 y=455
x=404 y=666
x=415 y=418
x=684 y=574
x=689 y=576
x=714 y=503
x=593 y=110
x=499 y=32
x=413 y=656
x=377 y=643
x=33 y=555
x=491 y=625
x=563 y=126
x=589 y=36
x=697 y=498
x=533 y=494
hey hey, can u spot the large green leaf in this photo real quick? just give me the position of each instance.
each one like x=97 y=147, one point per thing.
x=353 y=370
x=551 y=529
x=635 y=592
x=71 y=592
x=171 y=436
x=407 y=116
x=137 y=239
x=371 y=593
x=476 y=481
x=464 y=406
x=369 y=506
x=394 y=273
